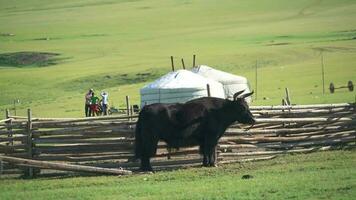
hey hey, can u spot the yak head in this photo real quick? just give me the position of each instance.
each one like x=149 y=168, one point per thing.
x=241 y=109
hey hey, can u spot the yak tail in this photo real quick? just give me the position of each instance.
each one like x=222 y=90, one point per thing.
x=138 y=138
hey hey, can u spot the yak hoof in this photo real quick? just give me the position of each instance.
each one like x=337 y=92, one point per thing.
x=146 y=172
x=210 y=165
x=146 y=169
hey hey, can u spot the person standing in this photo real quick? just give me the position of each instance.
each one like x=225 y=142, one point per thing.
x=104 y=102
x=94 y=106
x=87 y=103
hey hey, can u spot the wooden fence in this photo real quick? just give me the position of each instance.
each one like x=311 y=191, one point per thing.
x=108 y=141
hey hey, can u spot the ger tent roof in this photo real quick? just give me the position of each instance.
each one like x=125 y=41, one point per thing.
x=232 y=83
x=179 y=86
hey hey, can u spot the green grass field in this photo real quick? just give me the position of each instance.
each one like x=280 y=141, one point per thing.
x=322 y=175
x=105 y=45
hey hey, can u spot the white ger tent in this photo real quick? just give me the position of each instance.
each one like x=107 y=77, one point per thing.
x=179 y=86
x=231 y=83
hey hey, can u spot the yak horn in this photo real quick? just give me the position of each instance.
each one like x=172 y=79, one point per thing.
x=238 y=93
x=246 y=95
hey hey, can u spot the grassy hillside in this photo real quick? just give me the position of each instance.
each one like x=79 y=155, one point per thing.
x=323 y=175
x=106 y=44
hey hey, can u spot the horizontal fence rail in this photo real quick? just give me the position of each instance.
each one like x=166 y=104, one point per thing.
x=109 y=141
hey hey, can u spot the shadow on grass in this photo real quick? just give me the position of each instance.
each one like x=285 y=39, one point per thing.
x=29 y=59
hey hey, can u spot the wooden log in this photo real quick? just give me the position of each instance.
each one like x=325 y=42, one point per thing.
x=65 y=167
x=16 y=125
x=13 y=139
x=92 y=158
x=112 y=156
x=234 y=146
x=82 y=148
x=94 y=130
x=315 y=106
x=18 y=117
x=12 y=171
x=83 y=141
x=302 y=111
x=102 y=137
x=232 y=131
x=5 y=120
x=19 y=154
x=258 y=153
x=67 y=130
x=163 y=164
x=286 y=120
x=85 y=119
x=83 y=137
x=258 y=126
x=4 y=147
x=64 y=124
x=322 y=132
x=123 y=132
x=79 y=155
x=288 y=139
x=14 y=132
x=83 y=124
x=326 y=142
x=247 y=160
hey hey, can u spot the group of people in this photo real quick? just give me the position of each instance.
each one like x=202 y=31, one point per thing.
x=95 y=106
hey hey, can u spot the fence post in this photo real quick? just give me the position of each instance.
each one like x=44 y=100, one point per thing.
x=29 y=142
x=128 y=105
x=9 y=129
x=7 y=114
x=1 y=167
x=131 y=110
x=288 y=97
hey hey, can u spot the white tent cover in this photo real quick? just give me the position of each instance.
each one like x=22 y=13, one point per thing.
x=231 y=83
x=179 y=87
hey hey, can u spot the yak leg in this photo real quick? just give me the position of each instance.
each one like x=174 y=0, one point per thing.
x=204 y=151
x=205 y=156
x=208 y=150
x=145 y=164
x=205 y=160
x=209 y=156
x=149 y=150
x=212 y=157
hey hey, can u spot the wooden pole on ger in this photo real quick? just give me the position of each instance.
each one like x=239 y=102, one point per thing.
x=172 y=63
x=183 y=63
x=194 y=60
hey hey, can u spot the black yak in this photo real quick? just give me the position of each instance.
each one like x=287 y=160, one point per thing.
x=197 y=122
